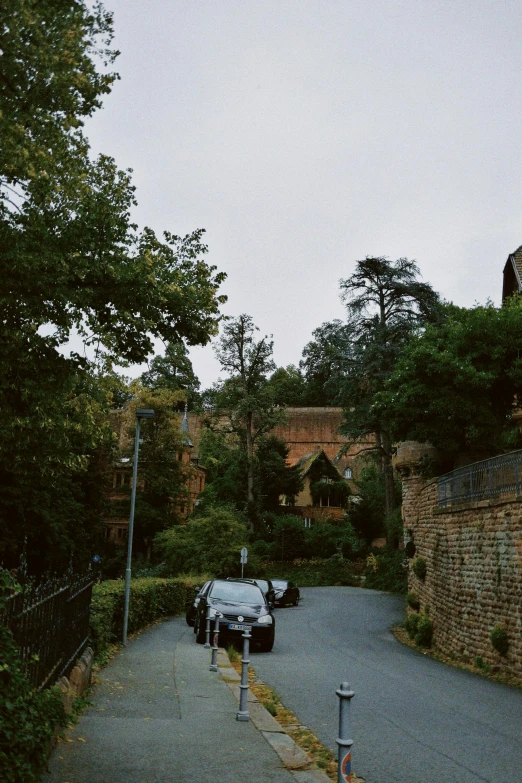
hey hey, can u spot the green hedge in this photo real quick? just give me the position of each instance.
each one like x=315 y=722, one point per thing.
x=28 y=718
x=151 y=598
x=316 y=572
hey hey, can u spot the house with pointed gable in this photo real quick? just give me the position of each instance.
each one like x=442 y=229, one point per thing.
x=512 y=274
x=325 y=493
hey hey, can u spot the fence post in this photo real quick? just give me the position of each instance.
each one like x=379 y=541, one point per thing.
x=344 y=742
x=207 y=632
x=243 y=713
x=213 y=663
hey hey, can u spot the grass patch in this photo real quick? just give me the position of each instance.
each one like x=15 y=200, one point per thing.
x=302 y=736
x=233 y=653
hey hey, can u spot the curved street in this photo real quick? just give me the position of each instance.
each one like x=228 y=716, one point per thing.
x=414 y=720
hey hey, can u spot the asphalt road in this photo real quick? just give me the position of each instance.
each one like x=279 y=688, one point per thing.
x=414 y=720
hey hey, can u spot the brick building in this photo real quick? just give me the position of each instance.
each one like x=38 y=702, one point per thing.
x=310 y=433
x=512 y=282
x=116 y=527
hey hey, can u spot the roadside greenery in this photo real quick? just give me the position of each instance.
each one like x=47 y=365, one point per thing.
x=151 y=599
x=28 y=718
x=316 y=572
x=386 y=570
x=210 y=542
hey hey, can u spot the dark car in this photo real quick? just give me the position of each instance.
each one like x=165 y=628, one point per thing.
x=243 y=605
x=192 y=604
x=265 y=585
x=286 y=592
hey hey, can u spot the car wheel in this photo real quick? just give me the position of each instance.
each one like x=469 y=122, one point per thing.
x=189 y=620
x=200 y=633
x=267 y=646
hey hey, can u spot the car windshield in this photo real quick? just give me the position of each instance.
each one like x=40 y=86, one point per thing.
x=282 y=584
x=238 y=592
x=263 y=585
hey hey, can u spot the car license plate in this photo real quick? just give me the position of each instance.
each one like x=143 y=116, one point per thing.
x=237 y=627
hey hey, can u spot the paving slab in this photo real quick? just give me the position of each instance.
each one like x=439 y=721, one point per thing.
x=160 y=716
x=291 y=754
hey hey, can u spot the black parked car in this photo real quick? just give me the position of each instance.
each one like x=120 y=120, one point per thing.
x=242 y=604
x=286 y=592
x=192 y=604
x=265 y=585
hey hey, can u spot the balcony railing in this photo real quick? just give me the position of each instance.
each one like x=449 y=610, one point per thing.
x=489 y=478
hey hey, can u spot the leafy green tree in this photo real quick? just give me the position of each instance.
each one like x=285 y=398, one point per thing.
x=457 y=384
x=173 y=371
x=245 y=397
x=162 y=475
x=288 y=386
x=368 y=514
x=224 y=460
x=209 y=543
x=385 y=304
x=274 y=476
x=323 y=364
x=72 y=263
x=226 y=477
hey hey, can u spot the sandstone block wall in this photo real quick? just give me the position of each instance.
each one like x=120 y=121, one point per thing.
x=473 y=553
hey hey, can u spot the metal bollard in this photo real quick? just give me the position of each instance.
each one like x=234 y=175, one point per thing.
x=344 y=742
x=213 y=663
x=207 y=632
x=243 y=713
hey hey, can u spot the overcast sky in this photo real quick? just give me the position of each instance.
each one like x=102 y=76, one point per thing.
x=306 y=134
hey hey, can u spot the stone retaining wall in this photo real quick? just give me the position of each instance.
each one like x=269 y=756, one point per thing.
x=78 y=681
x=473 y=554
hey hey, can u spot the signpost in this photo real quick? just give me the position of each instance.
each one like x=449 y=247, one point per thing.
x=244 y=559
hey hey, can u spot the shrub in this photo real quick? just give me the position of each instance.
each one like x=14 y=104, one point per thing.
x=385 y=570
x=28 y=718
x=424 y=635
x=419 y=628
x=499 y=639
x=418 y=567
x=315 y=571
x=210 y=542
x=411 y=624
x=412 y=601
x=150 y=600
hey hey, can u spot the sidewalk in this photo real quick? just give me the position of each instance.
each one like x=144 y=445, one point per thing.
x=160 y=716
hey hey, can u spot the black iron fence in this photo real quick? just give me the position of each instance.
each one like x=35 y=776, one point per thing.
x=489 y=478
x=50 y=625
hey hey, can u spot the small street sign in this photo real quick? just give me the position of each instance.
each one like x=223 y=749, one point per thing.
x=244 y=555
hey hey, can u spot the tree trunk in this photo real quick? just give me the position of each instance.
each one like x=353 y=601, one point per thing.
x=389 y=484
x=250 y=471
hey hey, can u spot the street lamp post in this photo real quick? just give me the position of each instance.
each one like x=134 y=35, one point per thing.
x=141 y=413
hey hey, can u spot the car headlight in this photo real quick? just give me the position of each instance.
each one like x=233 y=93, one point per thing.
x=279 y=594
x=266 y=619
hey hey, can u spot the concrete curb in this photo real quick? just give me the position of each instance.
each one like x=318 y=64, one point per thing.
x=293 y=758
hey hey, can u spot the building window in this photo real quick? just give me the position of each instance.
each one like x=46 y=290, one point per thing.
x=348 y=473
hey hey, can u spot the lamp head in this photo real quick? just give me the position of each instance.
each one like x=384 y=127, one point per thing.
x=144 y=413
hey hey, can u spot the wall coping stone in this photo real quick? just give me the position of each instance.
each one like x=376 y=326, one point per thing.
x=469 y=505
